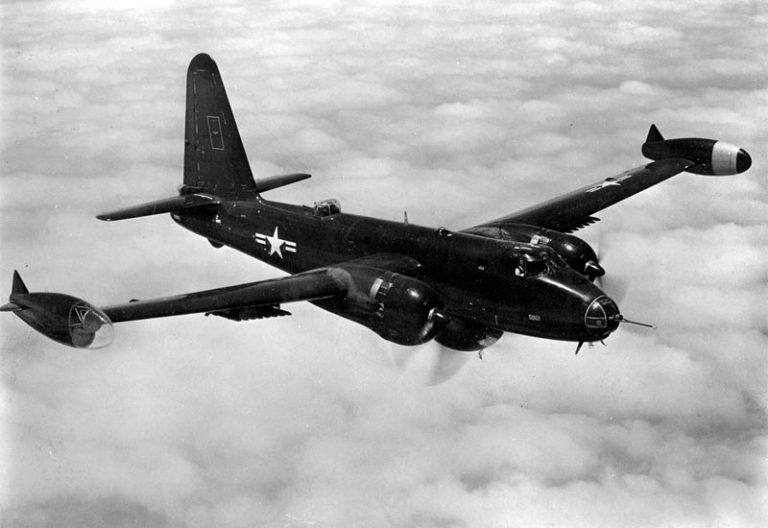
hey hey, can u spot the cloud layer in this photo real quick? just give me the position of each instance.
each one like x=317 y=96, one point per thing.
x=456 y=114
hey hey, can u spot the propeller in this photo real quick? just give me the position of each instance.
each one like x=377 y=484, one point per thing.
x=615 y=286
x=431 y=362
x=447 y=364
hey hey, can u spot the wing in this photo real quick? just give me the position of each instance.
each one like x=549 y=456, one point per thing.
x=573 y=210
x=244 y=301
x=74 y=322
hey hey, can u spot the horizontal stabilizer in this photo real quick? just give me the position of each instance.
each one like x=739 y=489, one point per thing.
x=167 y=205
x=273 y=182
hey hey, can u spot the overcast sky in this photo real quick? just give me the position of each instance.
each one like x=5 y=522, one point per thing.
x=456 y=115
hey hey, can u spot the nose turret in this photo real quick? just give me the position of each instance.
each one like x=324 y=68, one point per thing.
x=602 y=317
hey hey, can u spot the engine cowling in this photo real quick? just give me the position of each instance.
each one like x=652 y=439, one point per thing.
x=574 y=251
x=399 y=308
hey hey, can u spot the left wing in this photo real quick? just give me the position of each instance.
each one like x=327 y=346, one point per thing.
x=74 y=322
x=573 y=210
x=244 y=301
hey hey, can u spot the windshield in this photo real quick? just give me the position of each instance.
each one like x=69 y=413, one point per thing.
x=327 y=207
x=539 y=263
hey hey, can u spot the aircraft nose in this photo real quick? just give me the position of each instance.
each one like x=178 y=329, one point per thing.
x=602 y=316
x=743 y=161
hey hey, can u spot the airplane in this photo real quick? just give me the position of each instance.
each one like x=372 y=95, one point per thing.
x=523 y=273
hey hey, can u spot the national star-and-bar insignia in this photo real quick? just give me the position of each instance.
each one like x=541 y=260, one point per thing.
x=602 y=185
x=609 y=182
x=275 y=243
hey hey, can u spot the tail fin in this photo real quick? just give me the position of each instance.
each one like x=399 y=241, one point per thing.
x=18 y=288
x=18 y=284
x=654 y=135
x=214 y=157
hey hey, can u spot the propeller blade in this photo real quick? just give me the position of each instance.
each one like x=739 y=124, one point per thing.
x=615 y=287
x=447 y=364
x=430 y=363
x=401 y=355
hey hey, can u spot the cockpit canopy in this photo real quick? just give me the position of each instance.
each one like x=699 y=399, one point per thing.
x=539 y=262
x=327 y=208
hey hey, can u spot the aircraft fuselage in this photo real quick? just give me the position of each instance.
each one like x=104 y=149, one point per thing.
x=478 y=278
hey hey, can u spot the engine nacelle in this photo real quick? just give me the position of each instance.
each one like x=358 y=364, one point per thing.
x=63 y=318
x=712 y=157
x=467 y=336
x=399 y=308
x=574 y=251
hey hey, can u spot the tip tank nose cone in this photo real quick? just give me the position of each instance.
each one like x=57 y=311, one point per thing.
x=743 y=161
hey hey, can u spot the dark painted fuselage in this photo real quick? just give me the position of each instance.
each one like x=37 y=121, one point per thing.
x=474 y=276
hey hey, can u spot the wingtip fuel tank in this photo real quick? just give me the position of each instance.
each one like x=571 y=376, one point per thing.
x=712 y=157
x=63 y=318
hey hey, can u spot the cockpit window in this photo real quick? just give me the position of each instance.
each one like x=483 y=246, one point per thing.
x=538 y=263
x=327 y=208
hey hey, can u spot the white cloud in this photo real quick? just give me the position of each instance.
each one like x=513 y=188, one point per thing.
x=457 y=114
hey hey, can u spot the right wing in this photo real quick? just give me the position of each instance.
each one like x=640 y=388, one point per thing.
x=573 y=210
x=243 y=301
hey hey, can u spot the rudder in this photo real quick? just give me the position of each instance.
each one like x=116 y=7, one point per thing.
x=214 y=157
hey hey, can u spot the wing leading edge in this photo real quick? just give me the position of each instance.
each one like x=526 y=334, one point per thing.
x=573 y=210
x=74 y=322
x=243 y=301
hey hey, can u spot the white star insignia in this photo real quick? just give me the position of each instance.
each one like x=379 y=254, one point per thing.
x=275 y=243
x=602 y=185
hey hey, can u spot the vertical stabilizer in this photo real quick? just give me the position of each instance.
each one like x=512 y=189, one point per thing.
x=654 y=135
x=214 y=157
x=18 y=284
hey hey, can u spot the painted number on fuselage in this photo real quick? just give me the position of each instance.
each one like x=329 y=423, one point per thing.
x=214 y=131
